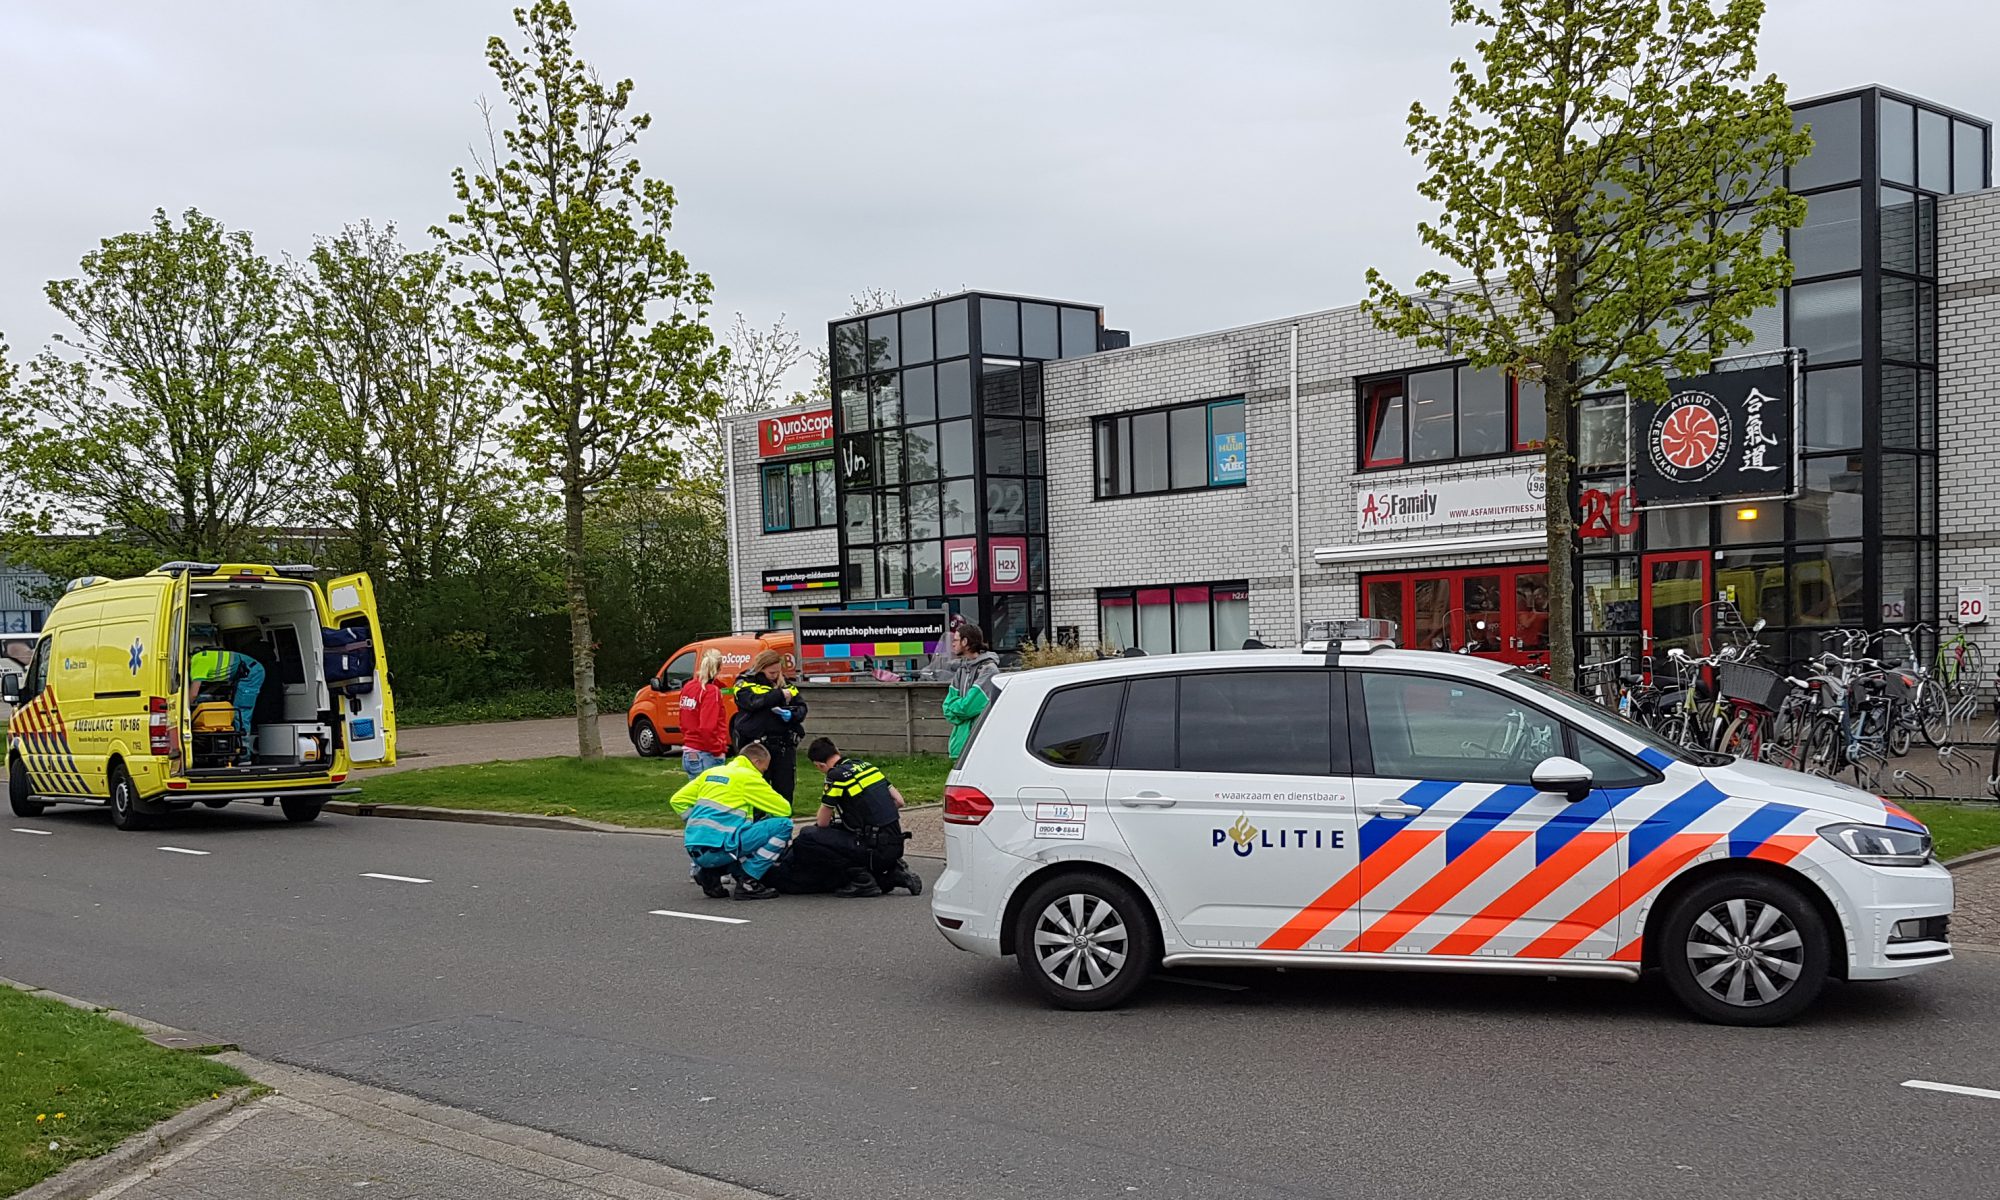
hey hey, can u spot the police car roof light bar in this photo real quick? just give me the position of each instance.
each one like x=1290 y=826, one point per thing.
x=1348 y=635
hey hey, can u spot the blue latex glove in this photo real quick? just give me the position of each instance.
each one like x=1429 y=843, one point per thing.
x=784 y=714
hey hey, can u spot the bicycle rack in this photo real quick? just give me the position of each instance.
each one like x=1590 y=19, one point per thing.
x=1908 y=779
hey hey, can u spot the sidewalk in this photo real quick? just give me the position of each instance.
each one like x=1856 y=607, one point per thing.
x=498 y=741
x=1975 y=918
x=316 y=1137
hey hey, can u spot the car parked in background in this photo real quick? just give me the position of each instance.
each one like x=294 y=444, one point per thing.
x=1362 y=806
x=654 y=720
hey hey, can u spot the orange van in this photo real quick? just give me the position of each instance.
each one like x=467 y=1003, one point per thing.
x=654 y=720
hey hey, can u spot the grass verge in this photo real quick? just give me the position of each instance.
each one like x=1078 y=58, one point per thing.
x=1958 y=828
x=74 y=1084
x=620 y=791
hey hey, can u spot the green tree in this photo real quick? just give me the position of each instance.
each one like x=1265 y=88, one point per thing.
x=754 y=381
x=162 y=423
x=579 y=305
x=398 y=414
x=660 y=566
x=1609 y=184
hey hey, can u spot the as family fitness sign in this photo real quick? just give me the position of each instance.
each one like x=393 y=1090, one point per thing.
x=795 y=433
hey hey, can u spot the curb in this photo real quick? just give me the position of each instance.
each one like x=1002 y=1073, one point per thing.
x=84 y=1177
x=480 y=816
x=1974 y=858
x=592 y=1170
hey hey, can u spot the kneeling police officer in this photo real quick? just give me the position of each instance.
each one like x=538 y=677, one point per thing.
x=855 y=845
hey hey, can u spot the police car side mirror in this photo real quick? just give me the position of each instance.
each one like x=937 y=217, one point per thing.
x=1564 y=776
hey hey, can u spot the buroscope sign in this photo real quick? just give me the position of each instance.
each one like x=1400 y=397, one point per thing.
x=1718 y=437
x=795 y=433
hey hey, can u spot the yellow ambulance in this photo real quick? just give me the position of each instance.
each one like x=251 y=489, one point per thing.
x=111 y=712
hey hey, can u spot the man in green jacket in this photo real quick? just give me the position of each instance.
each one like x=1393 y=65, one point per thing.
x=972 y=665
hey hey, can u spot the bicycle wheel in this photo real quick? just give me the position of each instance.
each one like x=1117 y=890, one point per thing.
x=1933 y=712
x=1677 y=727
x=1822 y=751
x=1744 y=737
x=1900 y=737
x=1993 y=769
x=1969 y=673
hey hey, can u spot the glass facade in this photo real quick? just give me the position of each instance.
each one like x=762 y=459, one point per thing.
x=1858 y=544
x=941 y=472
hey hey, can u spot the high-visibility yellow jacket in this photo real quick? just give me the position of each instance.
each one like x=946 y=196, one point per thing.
x=722 y=801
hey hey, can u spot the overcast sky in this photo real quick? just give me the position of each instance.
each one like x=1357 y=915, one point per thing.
x=1188 y=166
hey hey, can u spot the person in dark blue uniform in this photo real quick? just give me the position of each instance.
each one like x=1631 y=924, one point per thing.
x=854 y=847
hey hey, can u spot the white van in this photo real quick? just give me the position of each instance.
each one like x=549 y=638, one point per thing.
x=1362 y=806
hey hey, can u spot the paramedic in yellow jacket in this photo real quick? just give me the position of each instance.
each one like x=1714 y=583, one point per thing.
x=243 y=675
x=735 y=824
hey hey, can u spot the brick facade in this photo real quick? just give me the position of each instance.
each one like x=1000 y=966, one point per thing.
x=1969 y=403
x=1242 y=532
x=755 y=551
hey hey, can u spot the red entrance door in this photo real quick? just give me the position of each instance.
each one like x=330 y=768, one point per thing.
x=1494 y=612
x=1673 y=603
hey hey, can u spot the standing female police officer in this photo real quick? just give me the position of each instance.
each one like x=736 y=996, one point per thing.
x=769 y=710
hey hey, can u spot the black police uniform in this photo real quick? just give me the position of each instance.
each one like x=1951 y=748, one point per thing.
x=865 y=842
x=757 y=720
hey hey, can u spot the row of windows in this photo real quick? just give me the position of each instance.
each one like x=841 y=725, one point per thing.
x=1802 y=587
x=798 y=495
x=1906 y=411
x=920 y=569
x=1009 y=328
x=1828 y=242
x=1184 y=448
x=1448 y=413
x=1180 y=619
x=1304 y=722
x=1917 y=146
x=951 y=509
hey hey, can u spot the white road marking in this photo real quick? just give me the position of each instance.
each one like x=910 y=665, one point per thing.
x=1955 y=1089
x=38 y=832
x=178 y=850
x=393 y=878
x=668 y=912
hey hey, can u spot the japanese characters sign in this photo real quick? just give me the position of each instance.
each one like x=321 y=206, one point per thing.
x=1718 y=437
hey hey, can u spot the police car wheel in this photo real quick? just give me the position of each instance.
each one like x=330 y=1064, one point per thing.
x=125 y=811
x=1744 y=949
x=1084 y=941
x=645 y=739
x=19 y=788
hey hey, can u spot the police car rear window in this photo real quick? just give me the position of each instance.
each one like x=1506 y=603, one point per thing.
x=1074 y=729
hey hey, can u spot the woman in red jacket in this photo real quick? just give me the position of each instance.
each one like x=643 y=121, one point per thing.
x=704 y=730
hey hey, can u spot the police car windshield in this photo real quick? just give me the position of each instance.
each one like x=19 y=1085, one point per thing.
x=1639 y=733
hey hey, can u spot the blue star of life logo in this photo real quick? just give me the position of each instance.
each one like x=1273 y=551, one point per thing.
x=138 y=655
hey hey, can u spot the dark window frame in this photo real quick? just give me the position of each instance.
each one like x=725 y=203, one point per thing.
x=1366 y=419
x=1119 y=425
x=783 y=469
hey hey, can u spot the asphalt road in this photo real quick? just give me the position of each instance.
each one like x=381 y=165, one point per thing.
x=831 y=1048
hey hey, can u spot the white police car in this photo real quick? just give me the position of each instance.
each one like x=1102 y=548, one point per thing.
x=1362 y=806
